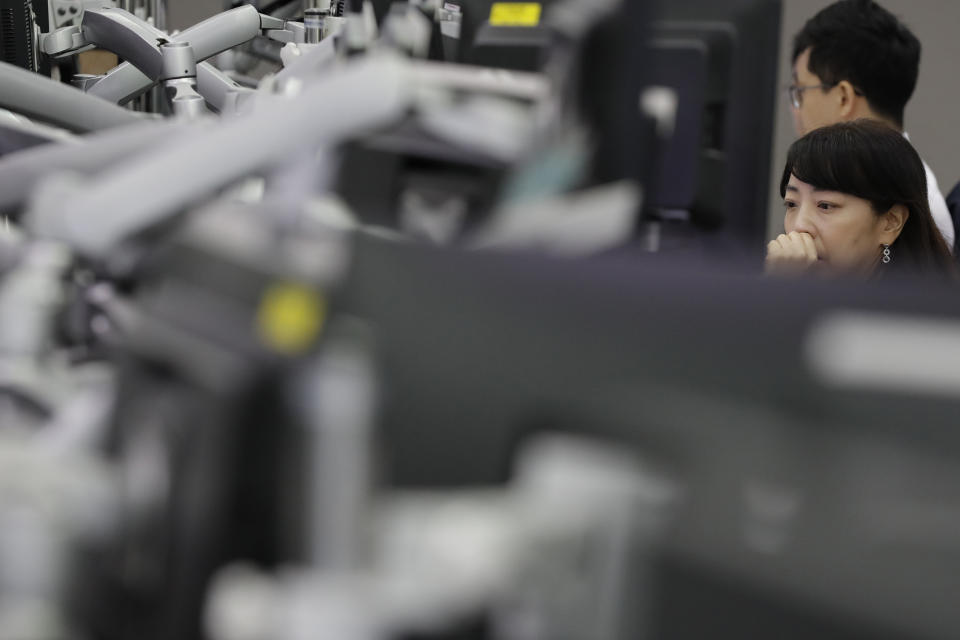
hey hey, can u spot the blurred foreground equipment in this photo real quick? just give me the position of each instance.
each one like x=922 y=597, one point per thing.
x=324 y=333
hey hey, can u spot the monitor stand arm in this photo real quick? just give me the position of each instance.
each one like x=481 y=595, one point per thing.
x=95 y=215
x=38 y=97
x=138 y=42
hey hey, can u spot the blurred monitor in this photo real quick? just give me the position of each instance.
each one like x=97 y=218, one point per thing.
x=819 y=499
x=808 y=426
x=504 y=35
x=720 y=58
x=696 y=64
x=16 y=34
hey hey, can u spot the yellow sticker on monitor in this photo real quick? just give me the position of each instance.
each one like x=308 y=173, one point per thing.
x=290 y=317
x=515 y=14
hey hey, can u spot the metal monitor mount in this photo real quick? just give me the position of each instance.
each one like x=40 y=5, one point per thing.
x=140 y=43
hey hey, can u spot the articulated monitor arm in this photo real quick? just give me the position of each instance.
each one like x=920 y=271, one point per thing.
x=38 y=97
x=113 y=29
x=95 y=216
x=90 y=155
x=138 y=42
x=18 y=133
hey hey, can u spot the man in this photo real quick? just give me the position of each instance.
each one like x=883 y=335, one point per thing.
x=854 y=59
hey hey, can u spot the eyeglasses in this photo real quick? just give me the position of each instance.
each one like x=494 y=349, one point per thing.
x=796 y=92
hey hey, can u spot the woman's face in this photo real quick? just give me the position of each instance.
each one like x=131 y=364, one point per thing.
x=846 y=231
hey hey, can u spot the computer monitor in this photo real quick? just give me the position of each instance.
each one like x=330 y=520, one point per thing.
x=493 y=34
x=721 y=60
x=818 y=483
x=16 y=34
x=695 y=62
x=817 y=496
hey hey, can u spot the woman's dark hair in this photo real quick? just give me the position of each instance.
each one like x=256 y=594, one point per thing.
x=863 y=43
x=872 y=161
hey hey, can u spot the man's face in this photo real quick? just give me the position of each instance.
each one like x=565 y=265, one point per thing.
x=818 y=107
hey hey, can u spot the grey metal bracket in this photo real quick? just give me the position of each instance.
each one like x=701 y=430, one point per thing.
x=64 y=42
x=139 y=43
x=84 y=81
x=89 y=154
x=66 y=12
x=179 y=77
x=291 y=32
x=95 y=217
x=41 y=98
x=269 y=23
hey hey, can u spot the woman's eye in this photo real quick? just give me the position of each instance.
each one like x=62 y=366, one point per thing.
x=826 y=206
x=789 y=204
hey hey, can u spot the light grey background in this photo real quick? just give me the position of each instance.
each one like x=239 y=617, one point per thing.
x=184 y=13
x=933 y=114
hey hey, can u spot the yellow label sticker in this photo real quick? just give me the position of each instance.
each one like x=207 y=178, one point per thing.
x=515 y=14
x=290 y=317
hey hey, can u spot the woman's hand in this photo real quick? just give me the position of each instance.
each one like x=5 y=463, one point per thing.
x=791 y=254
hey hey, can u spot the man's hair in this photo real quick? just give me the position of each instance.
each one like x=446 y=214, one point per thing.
x=861 y=42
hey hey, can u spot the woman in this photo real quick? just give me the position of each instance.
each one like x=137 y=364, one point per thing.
x=856 y=203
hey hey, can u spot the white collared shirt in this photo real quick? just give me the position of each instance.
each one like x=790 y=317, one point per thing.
x=938 y=206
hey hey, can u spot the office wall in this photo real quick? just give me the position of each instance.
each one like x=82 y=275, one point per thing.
x=933 y=116
x=183 y=13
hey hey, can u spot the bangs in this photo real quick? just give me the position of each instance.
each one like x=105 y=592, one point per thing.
x=862 y=158
x=831 y=163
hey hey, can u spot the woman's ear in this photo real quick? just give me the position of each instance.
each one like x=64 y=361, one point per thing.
x=848 y=98
x=892 y=223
